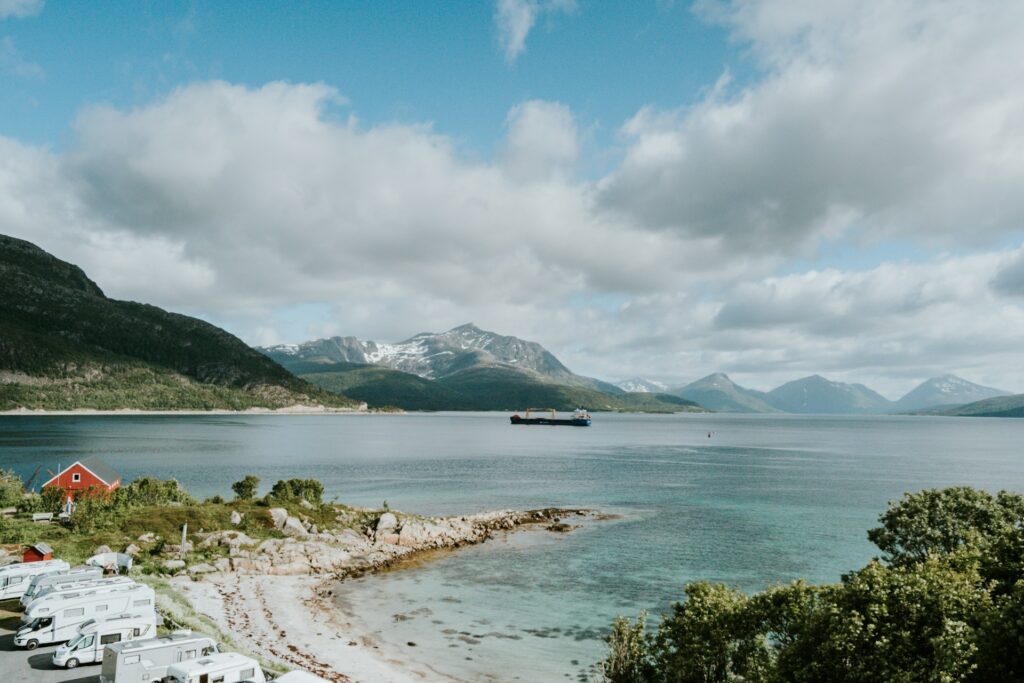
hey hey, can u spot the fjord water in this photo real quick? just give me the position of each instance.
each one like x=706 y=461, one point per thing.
x=764 y=499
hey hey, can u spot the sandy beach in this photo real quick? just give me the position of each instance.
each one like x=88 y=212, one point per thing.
x=290 y=619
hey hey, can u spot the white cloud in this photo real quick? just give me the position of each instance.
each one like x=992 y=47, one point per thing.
x=891 y=119
x=516 y=18
x=20 y=8
x=541 y=140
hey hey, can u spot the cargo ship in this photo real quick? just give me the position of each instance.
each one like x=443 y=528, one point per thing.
x=580 y=418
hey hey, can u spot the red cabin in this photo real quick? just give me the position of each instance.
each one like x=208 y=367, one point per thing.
x=40 y=552
x=83 y=474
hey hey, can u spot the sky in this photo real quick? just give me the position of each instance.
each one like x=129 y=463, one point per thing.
x=657 y=189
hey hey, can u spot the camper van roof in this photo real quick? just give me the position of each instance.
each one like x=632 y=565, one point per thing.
x=44 y=564
x=211 y=663
x=130 y=645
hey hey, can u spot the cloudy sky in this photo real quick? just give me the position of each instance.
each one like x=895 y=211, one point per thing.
x=662 y=189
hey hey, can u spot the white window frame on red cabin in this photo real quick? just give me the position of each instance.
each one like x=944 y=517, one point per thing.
x=76 y=477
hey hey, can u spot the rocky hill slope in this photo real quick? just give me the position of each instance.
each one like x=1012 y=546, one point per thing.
x=65 y=345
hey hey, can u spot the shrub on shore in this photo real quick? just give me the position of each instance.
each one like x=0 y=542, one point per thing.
x=946 y=603
x=310 y=490
x=246 y=488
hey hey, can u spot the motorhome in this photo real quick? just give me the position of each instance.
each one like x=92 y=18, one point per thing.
x=57 y=592
x=56 y=621
x=94 y=635
x=147 y=660
x=15 y=578
x=42 y=581
x=226 y=667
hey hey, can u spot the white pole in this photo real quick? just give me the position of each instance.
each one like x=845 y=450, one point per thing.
x=184 y=531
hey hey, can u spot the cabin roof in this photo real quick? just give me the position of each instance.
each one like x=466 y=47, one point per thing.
x=97 y=467
x=41 y=548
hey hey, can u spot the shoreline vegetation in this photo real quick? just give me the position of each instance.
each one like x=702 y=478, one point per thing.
x=944 y=602
x=262 y=574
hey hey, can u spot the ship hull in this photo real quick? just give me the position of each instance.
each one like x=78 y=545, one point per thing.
x=573 y=422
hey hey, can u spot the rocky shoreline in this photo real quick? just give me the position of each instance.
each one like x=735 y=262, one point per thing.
x=274 y=597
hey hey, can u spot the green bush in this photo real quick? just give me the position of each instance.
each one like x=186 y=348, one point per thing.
x=246 y=488
x=310 y=490
x=10 y=488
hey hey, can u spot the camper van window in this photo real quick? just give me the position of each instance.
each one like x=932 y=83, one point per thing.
x=190 y=654
x=74 y=612
x=102 y=608
x=140 y=603
x=111 y=638
x=17 y=579
x=74 y=643
x=86 y=642
x=248 y=673
x=132 y=659
x=218 y=679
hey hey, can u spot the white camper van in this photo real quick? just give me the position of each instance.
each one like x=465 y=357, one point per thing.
x=226 y=667
x=55 y=590
x=41 y=582
x=95 y=634
x=142 y=661
x=15 y=578
x=57 y=621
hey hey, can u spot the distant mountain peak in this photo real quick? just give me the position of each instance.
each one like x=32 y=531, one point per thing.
x=946 y=390
x=432 y=355
x=641 y=385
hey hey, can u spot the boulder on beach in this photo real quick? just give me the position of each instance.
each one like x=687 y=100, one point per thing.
x=174 y=564
x=103 y=549
x=132 y=550
x=203 y=568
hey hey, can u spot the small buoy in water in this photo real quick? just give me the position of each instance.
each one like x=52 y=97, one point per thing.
x=709 y=435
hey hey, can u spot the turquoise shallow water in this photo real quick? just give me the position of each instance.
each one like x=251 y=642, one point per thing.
x=765 y=499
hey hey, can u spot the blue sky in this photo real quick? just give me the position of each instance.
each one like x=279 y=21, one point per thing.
x=661 y=189
x=394 y=61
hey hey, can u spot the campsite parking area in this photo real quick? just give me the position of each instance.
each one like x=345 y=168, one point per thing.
x=22 y=666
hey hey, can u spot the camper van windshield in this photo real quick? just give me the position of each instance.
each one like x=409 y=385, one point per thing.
x=75 y=641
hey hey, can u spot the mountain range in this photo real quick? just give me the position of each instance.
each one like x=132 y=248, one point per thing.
x=464 y=368
x=816 y=394
x=65 y=345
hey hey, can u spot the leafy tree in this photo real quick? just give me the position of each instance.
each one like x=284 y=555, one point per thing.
x=942 y=520
x=246 y=488
x=629 y=656
x=310 y=490
x=707 y=638
x=10 y=488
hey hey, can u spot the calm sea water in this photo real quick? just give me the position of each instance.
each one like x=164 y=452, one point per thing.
x=765 y=499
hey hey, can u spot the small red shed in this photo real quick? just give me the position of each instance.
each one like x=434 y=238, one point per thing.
x=83 y=474
x=37 y=553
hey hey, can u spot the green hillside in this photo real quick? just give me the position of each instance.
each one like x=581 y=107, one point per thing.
x=1001 y=406
x=477 y=388
x=381 y=387
x=505 y=389
x=65 y=345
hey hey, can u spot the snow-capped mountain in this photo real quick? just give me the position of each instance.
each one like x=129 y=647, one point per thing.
x=640 y=385
x=946 y=390
x=438 y=355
